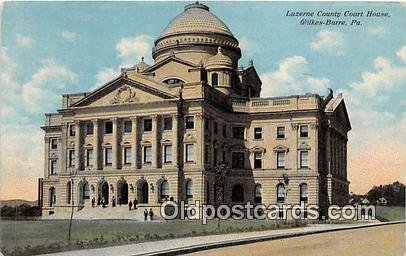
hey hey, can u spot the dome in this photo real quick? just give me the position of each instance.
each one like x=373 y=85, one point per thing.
x=196 y=19
x=218 y=61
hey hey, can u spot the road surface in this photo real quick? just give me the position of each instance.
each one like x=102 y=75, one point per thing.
x=388 y=240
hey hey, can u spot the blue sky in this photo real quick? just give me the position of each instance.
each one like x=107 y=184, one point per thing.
x=49 y=48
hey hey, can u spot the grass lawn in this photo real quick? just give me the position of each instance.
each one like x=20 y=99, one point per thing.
x=32 y=237
x=390 y=213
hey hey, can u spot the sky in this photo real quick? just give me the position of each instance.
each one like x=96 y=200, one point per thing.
x=52 y=48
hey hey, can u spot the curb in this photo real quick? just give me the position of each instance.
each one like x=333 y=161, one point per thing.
x=235 y=242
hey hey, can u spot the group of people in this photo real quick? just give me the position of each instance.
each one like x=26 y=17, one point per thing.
x=131 y=205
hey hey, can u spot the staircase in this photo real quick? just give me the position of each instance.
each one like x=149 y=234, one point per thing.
x=108 y=213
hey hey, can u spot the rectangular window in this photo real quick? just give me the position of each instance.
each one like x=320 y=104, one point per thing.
x=147 y=125
x=280 y=132
x=280 y=160
x=108 y=157
x=72 y=130
x=127 y=126
x=190 y=153
x=304 y=159
x=89 y=157
x=54 y=143
x=304 y=131
x=52 y=167
x=215 y=153
x=190 y=124
x=216 y=128
x=258 y=133
x=71 y=158
x=168 y=154
x=147 y=154
x=207 y=124
x=224 y=156
x=127 y=155
x=238 y=132
x=257 y=160
x=108 y=127
x=238 y=160
x=89 y=128
x=167 y=123
x=206 y=154
x=224 y=131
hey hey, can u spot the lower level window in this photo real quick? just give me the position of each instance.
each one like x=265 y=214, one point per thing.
x=52 y=167
x=238 y=160
x=147 y=154
x=304 y=159
x=108 y=158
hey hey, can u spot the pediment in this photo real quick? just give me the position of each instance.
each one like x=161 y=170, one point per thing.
x=170 y=59
x=280 y=148
x=258 y=149
x=124 y=91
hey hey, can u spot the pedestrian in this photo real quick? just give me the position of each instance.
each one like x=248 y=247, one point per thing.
x=145 y=214
x=93 y=201
x=103 y=202
x=130 y=204
x=135 y=203
x=113 y=201
x=151 y=214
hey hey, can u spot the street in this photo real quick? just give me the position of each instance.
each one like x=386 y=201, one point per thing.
x=386 y=240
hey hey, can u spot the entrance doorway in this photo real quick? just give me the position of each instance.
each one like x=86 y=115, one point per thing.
x=142 y=192
x=103 y=193
x=122 y=192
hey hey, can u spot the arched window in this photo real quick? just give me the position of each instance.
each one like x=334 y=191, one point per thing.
x=237 y=193
x=86 y=191
x=189 y=189
x=68 y=192
x=214 y=79
x=164 y=191
x=280 y=198
x=303 y=193
x=52 y=197
x=258 y=194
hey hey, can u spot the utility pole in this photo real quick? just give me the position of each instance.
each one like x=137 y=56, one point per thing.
x=221 y=171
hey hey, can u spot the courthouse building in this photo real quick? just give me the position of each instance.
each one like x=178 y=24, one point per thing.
x=158 y=131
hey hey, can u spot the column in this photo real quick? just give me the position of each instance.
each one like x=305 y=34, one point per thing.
x=134 y=143
x=294 y=150
x=62 y=149
x=96 y=144
x=46 y=157
x=328 y=151
x=315 y=148
x=155 y=150
x=199 y=147
x=77 y=146
x=175 y=142
x=114 y=144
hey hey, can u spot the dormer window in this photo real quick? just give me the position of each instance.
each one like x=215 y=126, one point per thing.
x=214 y=79
x=173 y=81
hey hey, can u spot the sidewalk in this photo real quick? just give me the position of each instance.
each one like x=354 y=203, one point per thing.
x=192 y=244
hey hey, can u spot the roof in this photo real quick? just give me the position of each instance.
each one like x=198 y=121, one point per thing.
x=196 y=18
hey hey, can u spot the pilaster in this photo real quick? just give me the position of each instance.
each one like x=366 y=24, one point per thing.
x=134 y=143
x=96 y=144
x=78 y=163
x=114 y=145
x=155 y=151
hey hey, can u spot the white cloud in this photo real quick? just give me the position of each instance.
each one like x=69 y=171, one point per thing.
x=68 y=36
x=42 y=92
x=24 y=41
x=131 y=49
x=105 y=75
x=402 y=53
x=330 y=42
x=377 y=31
x=292 y=77
x=385 y=77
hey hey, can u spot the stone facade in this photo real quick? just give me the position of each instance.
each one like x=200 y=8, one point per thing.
x=157 y=132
